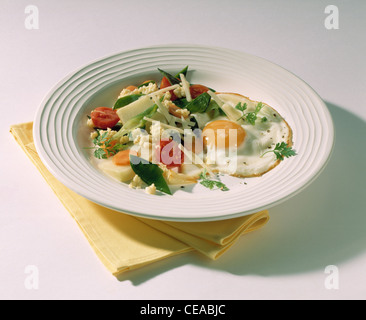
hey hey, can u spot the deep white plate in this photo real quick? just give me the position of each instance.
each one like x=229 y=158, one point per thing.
x=60 y=138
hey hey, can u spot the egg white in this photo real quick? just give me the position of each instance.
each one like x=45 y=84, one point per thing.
x=249 y=158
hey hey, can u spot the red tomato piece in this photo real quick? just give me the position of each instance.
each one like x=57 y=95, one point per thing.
x=164 y=84
x=104 y=118
x=197 y=89
x=169 y=154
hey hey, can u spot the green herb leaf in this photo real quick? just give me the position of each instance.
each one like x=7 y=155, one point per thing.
x=282 y=150
x=104 y=147
x=149 y=173
x=250 y=117
x=241 y=107
x=258 y=107
x=211 y=184
x=99 y=153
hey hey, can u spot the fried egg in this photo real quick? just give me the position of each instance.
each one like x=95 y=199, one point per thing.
x=236 y=146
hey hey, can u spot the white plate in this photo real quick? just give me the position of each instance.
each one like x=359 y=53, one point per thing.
x=60 y=142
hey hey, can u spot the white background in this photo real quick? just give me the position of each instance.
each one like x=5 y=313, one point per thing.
x=324 y=225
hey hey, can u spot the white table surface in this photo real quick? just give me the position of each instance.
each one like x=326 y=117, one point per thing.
x=323 y=225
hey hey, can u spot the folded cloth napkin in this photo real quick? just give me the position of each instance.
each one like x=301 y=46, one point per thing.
x=124 y=242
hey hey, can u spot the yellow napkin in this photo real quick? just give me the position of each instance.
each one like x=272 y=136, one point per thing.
x=124 y=242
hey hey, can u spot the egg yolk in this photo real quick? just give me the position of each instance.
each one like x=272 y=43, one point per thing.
x=223 y=134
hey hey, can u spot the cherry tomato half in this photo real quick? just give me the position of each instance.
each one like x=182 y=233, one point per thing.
x=104 y=118
x=164 y=84
x=197 y=89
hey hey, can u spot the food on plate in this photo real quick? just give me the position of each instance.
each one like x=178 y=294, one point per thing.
x=175 y=133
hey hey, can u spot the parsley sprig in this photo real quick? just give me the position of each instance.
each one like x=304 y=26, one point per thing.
x=241 y=106
x=250 y=117
x=211 y=184
x=282 y=150
x=105 y=146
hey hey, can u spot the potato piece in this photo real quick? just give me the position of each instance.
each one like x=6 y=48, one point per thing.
x=174 y=178
x=191 y=170
x=121 y=173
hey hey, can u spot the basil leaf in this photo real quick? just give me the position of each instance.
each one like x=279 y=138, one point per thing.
x=149 y=173
x=200 y=104
x=124 y=101
x=181 y=103
x=173 y=80
x=184 y=71
x=214 y=110
x=195 y=126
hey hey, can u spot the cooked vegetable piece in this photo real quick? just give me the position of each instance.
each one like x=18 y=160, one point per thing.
x=134 y=108
x=131 y=88
x=104 y=117
x=126 y=100
x=180 y=179
x=122 y=158
x=121 y=173
x=176 y=111
x=149 y=173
